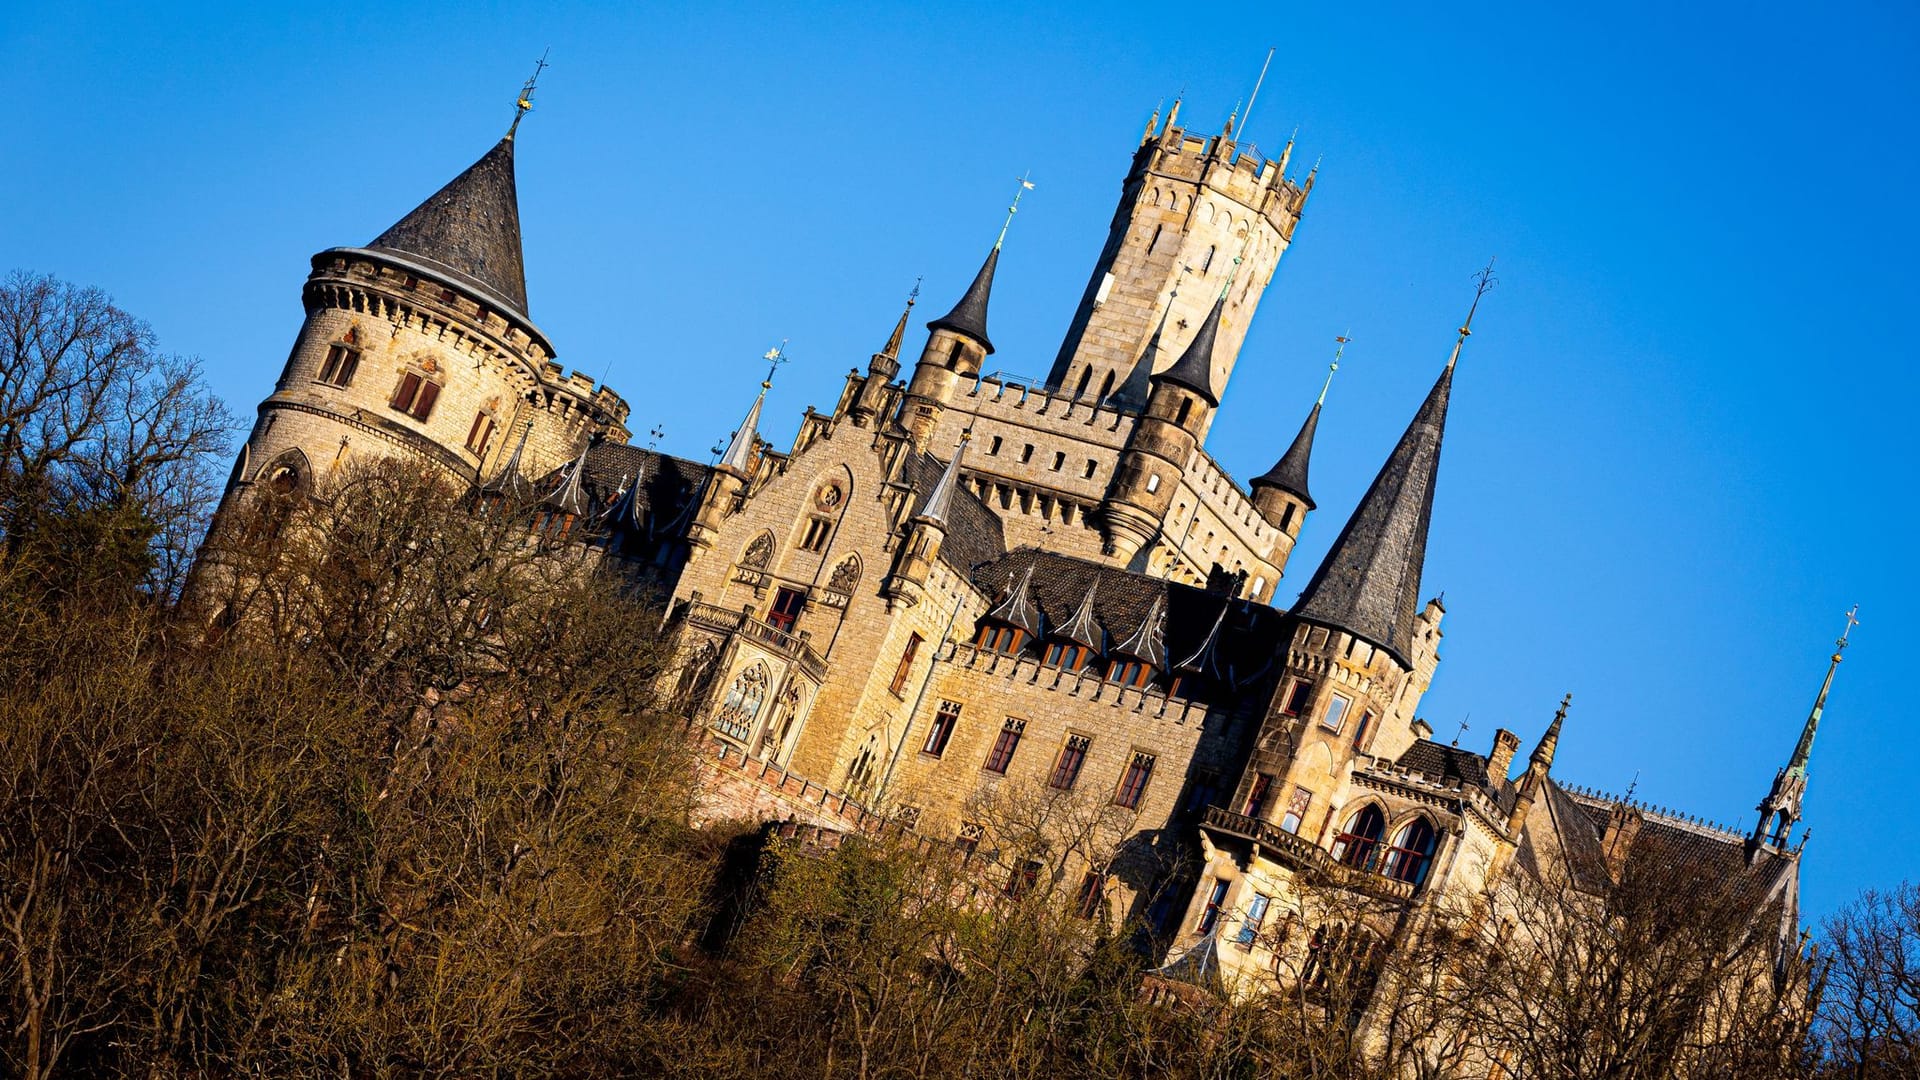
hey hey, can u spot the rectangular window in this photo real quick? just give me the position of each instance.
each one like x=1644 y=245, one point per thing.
x=340 y=365
x=1133 y=783
x=994 y=446
x=1299 y=697
x=1336 y=716
x=1002 y=754
x=1211 y=913
x=1360 y=733
x=1066 y=655
x=479 y=434
x=1092 y=888
x=416 y=396
x=1256 y=914
x=944 y=722
x=1296 y=809
x=1206 y=784
x=1066 y=767
x=1257 y=795
x=905 y=669
x=1129 y=673
x=1022 y=881
x=818 y=530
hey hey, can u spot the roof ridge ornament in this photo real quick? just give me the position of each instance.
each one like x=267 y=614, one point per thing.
x=523 y=104
x=1081 y=629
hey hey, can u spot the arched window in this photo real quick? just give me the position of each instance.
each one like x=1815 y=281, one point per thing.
x=1080 y=388
x=1360 y=841
x=1106 y=386
x=743 y=701
x=1412 y=852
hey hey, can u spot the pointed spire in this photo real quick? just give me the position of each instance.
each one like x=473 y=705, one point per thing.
x=571 y=496
x=934 y=511
x=1369 y=583
x=739 y=455
x=468 y=232
x=1289 y=474
x=1780 y=810
x=891 y=350
x=1550 y=741
x=625 y=511
x=969 y=317
x=510 y=483
x=1194 y=369
x=1081 y=629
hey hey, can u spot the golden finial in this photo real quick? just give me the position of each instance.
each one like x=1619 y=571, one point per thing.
x=523 y=104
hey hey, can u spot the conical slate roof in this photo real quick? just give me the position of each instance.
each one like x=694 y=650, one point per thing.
x=1369 y=583
x=469 y=231
x=1194 y=369
x=936 y=508
x=1289 y=474
x=969 y=317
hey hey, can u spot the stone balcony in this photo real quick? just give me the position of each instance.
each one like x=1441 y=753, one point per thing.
x=1288 y=849
x=795 y=647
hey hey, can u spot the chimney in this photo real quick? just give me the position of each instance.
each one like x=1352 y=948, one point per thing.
x=1505 y=745
x=1422 y=729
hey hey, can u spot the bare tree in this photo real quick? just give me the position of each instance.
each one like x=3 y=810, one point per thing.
x=104 y=441
x=1870 y=1011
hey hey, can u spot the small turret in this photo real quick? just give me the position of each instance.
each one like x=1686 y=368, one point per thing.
x=1163 y=440
x=957 y=346
x=1539 y=765
x=1281 y=494
x=730 y=476
x=926 y=532
x=881 y=369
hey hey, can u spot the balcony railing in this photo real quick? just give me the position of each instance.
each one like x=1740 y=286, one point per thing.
x=795 y=647
x=1285 y=847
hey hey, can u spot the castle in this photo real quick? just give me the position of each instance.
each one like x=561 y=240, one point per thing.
x=955 y=587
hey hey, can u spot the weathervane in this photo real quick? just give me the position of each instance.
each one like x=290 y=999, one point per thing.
x=1026 y=185
x=654 y=436
x=774 y=358
x=1853 y=620
x=1483 y=282
x=523 y=104
x=1340 y=347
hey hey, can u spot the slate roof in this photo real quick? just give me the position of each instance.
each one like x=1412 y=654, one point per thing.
x=1194 y=369
x=1249 y=635
x=974 y=534
x=969 y=316
x=659 y=504
x=469 y=232
x=1448 y=764
x=1289 y=474
x=1369 y=583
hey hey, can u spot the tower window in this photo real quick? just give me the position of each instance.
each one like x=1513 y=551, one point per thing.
x=1336 y=717
x=1066 y=767
x=1026 y=454
x=1106 y=386
x=1286 y=518
x=1296 y=810
x=1210 y=914
x=341 y=362
x=1080 y=389
x=1153 y=483
x=1257 y=795
x=1091 y=465
x=944 y=722
x=954 y=355
x=1059 y=460
x=479 y=434
x=1186 y=408
x=1206 y=263
x=1256 y=914
x=993 y=448
x=1299 y=697
x=415 y=396
x=1156 y=238
x=818 y=532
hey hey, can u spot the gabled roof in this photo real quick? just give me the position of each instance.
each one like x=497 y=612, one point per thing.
x=1369 y=583
x=469 y=232
x=1289 y=474
x=1194 y=369
x=969 y=317
x=1016 y=608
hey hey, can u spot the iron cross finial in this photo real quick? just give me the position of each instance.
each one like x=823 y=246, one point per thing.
x=524 y=103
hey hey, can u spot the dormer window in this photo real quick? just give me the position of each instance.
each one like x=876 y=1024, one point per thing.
x=999 y=637
x=1067 y=655
x=1127 y=671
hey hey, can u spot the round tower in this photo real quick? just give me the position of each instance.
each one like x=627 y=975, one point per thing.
x=1168 y=430
x=957 y=347
x=419 y=344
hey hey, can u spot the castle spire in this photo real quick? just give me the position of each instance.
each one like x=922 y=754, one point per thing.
x=1782 y=806
x=891 y=350
x=1550 y=741
x=739 y=454
x=969 y=317
x=1289 y=474
x=940 y=502
x=468 y=233
x=1369 y=583
x=1194 y=369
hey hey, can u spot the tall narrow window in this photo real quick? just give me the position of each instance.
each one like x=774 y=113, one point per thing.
x=479 y=434
x=1210 y=914
x=1133 y=783
x=1106 y=386
x=1256 y=914
x=1257 y=795
x=994 y=446
x=1080 y=389
x=944 y=722
x=1357 y=844
x=1001 y=755
x=819 y=530
x=342 y=361
x=1286 y=517
x=1186 y=410
x=1092 y=888
x=1066 y=767
x=905 y=669
x=1360 y=733
x=415 y=396
x=1026 y=453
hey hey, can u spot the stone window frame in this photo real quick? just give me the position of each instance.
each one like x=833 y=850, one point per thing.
x=946 y=720
x=342 y=361
x=1128 y=794
x=1070 y=761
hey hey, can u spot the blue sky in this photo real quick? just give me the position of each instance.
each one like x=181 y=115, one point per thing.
x=1680 y=443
